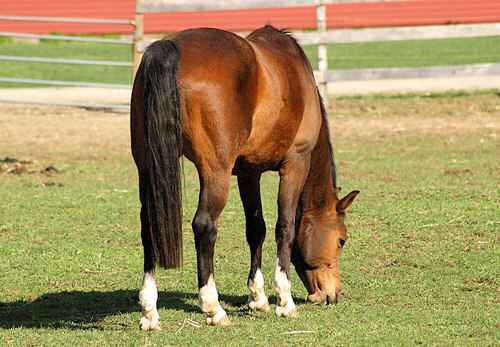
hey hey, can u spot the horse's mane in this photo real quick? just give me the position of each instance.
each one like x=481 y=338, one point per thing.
x=329 y=142
x=283 y=37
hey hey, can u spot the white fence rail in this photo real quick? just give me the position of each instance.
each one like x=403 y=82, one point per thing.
x=65 y=61
x=321 y=37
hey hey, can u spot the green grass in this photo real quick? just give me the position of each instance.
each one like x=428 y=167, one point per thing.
x=420 y=265
x=414 y=53
x=67 y=72
x=340 y=56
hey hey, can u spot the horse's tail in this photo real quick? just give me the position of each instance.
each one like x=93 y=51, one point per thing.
x=162 y=123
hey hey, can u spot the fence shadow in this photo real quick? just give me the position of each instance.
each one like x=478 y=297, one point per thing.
x=85 y=310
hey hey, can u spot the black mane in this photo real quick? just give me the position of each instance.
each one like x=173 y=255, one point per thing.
x=283 y=37
x=333 y=169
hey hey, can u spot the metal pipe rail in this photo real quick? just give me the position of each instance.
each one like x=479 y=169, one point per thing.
x=65 y=61
x=61 y=103
x=67 y=20
x=65 y=38
x=64 y=83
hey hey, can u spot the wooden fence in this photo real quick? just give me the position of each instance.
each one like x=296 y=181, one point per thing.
x=322 y=37
x=328 y=14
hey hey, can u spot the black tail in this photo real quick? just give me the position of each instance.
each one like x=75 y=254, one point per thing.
x=164 y=148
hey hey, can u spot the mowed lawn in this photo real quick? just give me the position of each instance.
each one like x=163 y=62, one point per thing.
x=421 y=264
x=364 y=55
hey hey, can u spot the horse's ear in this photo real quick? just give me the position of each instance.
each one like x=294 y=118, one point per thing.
x=346 y=201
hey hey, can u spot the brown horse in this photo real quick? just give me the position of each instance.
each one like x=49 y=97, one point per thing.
x=236 y=106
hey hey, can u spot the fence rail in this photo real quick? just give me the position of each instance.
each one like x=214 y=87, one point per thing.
x=61 y=103
x=426 y=32
x=65 y=38
x=321 y=37
x=409 y=73
x=66 y=20
x=65 y=61
x=64 y=83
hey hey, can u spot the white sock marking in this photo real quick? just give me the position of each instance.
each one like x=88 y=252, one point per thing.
x=209 y=302
x=257 y=298
x=282 y=287
x=148 y=295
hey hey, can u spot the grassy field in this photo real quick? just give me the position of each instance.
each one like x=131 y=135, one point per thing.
x=420 y=265
x=340 y=56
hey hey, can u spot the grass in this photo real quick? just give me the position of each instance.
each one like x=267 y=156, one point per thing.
x=340 y=56
x=420 y=265
x=67 y=72
x=413 y=53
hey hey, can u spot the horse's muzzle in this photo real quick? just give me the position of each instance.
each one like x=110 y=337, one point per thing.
x=332 y=299
x=323 y=298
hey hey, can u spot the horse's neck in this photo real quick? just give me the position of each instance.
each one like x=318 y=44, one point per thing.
x=319 y=193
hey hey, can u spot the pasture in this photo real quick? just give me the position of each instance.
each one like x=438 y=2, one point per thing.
x=413 y=53
x=420 y=265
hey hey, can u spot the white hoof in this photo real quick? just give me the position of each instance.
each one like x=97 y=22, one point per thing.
x=150 y=322
x=219 y=319
x=283 y=311
x=260 y=305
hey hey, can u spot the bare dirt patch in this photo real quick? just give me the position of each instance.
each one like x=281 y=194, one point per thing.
x=48 y=132
x=385 y=116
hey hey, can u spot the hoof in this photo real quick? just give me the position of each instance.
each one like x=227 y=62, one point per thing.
x=259 y=306
x=147 y=325
x=223 y=320
x=265 y=307
x=293 y=313
x=283 y=312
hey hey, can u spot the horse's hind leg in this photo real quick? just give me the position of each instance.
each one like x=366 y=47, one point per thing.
x=214 y=191
x=148 y=295
x=256 y=232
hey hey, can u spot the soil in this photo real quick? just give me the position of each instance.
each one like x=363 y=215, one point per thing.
x=29 y=131
x=122 y=96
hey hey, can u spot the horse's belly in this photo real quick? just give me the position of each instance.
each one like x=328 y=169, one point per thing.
x=265 y=147
x=254 y=164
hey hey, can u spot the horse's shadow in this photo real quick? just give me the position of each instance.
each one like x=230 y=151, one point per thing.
x=85 y=310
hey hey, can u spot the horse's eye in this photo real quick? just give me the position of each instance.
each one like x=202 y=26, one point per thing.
x=341 y=242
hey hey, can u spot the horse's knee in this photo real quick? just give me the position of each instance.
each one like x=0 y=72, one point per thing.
x=257 y=226
x=285 y=236
x=203 y=225
x=256 y=232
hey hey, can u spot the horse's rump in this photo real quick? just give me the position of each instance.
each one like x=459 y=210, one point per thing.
x=247 y=95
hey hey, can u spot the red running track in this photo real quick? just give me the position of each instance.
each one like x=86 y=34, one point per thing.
x=347 y=15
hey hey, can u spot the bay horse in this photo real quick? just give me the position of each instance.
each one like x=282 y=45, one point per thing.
x=236 y=106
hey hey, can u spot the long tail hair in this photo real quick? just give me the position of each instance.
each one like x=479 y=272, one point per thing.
x=162 y=123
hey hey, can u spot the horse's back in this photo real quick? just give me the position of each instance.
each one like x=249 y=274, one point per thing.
x=246 y=102
x=218 y=86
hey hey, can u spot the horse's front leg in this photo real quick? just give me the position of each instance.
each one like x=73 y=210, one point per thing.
x=293 y=175
x=256 y=232
x=214 y=191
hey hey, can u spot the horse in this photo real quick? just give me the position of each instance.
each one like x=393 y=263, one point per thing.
x=236 y=106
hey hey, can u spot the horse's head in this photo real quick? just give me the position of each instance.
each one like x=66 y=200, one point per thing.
x=317 y=248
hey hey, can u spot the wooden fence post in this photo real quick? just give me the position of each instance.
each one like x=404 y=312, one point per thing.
x=322 y=51
x=138 y=38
